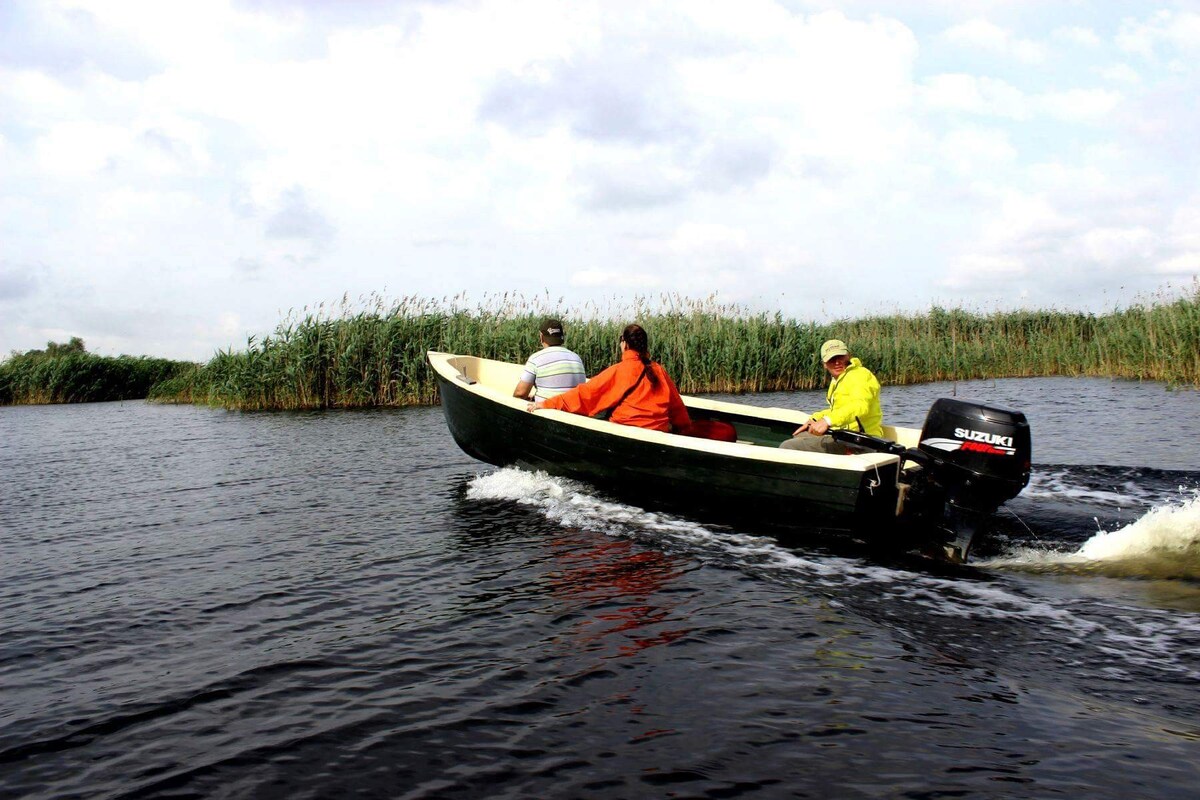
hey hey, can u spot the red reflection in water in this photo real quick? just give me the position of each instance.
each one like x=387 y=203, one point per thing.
x=597 y=573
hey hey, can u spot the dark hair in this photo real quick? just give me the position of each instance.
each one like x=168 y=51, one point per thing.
x=634 y=337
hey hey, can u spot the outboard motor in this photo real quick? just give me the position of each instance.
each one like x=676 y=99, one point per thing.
x=972 y=457
x=980 y=457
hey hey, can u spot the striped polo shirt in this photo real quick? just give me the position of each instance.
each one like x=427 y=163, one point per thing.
x=553 y=370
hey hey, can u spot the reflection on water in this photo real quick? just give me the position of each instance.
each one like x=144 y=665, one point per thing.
x=615 y=591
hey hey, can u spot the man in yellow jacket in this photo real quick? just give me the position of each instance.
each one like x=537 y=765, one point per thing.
x=853 y=398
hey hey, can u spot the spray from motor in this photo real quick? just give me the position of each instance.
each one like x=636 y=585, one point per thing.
x=1165 y=530
x=1163 y=544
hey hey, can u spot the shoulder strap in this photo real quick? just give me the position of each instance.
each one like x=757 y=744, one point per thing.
x=608 y=412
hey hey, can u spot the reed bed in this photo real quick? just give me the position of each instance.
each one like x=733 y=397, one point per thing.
x=67 y=373
x=372 y=352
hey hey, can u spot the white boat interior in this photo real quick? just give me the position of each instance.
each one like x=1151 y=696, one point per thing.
x=495 y=380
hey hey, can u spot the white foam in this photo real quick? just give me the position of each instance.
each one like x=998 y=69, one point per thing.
x=1163 y=531
x=1126 y=491
x=1168 y=531
x=1057 y=485
x=571 y=503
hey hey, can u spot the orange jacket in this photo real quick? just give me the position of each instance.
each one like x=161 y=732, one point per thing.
x=657 y=407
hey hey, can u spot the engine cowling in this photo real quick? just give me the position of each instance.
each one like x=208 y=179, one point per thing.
x=979 y=454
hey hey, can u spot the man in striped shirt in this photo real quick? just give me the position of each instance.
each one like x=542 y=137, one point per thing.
x=552 y=370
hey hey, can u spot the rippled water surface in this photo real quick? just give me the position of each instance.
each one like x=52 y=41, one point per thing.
x=199 y=603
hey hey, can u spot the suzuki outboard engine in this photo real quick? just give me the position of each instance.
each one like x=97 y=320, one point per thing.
x=972 y=457
x=979 y=456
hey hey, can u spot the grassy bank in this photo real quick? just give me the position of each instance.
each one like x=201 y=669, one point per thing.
x=67 y=373
x=374 y=355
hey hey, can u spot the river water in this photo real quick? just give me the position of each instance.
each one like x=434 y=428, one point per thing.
x=198 y=603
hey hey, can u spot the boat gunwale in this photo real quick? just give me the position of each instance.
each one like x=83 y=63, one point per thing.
x=861 y=462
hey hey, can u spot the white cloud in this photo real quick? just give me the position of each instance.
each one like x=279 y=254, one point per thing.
x=702 y=240
x=984 y=35
x=1164 y=33
x=79 y=148
x=1041 y=247
x=1184 y=228
x=1090 y=179
x=1029 y=220
x=839 y=86
x=1117 y=246
x=976 y=270
x=1079 y=35
x=974 y=151
x=42 y=98
x=1080 y=105
x=1184 y=265
x=1020 y=232
x=995 y=98
x=786 y=261
x=227 y=326
x=1028 y=52
x=978 y=33
x=15 y=283
x=1120 y=73
x=615 y=279
x=975 y=95
x=632 y=180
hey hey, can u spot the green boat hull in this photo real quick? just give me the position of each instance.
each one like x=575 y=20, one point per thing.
x=669 y=474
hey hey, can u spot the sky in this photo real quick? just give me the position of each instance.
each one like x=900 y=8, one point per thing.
x=177 y=177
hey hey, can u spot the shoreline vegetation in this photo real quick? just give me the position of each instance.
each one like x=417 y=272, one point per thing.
x=67 y=373
x=373 y=353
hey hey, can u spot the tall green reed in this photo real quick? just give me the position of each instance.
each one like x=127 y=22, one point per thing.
x=69 y=374
x=371 y=352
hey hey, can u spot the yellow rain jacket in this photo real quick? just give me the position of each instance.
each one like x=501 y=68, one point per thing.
x=853 y=397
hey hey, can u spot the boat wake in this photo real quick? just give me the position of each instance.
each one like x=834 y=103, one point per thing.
x=576 y=505
x=1111 y=487
x=1121 y=522
x=923 y=603
x=1159 y=536
x=1163 y=543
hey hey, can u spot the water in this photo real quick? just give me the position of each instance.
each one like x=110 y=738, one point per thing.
x=208 y=604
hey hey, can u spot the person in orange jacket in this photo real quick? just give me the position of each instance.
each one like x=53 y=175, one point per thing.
x=636 y=390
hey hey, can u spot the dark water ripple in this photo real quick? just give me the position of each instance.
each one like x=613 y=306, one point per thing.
x=205 y=604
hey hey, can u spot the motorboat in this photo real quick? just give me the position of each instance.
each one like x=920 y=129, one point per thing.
x=938 y=486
